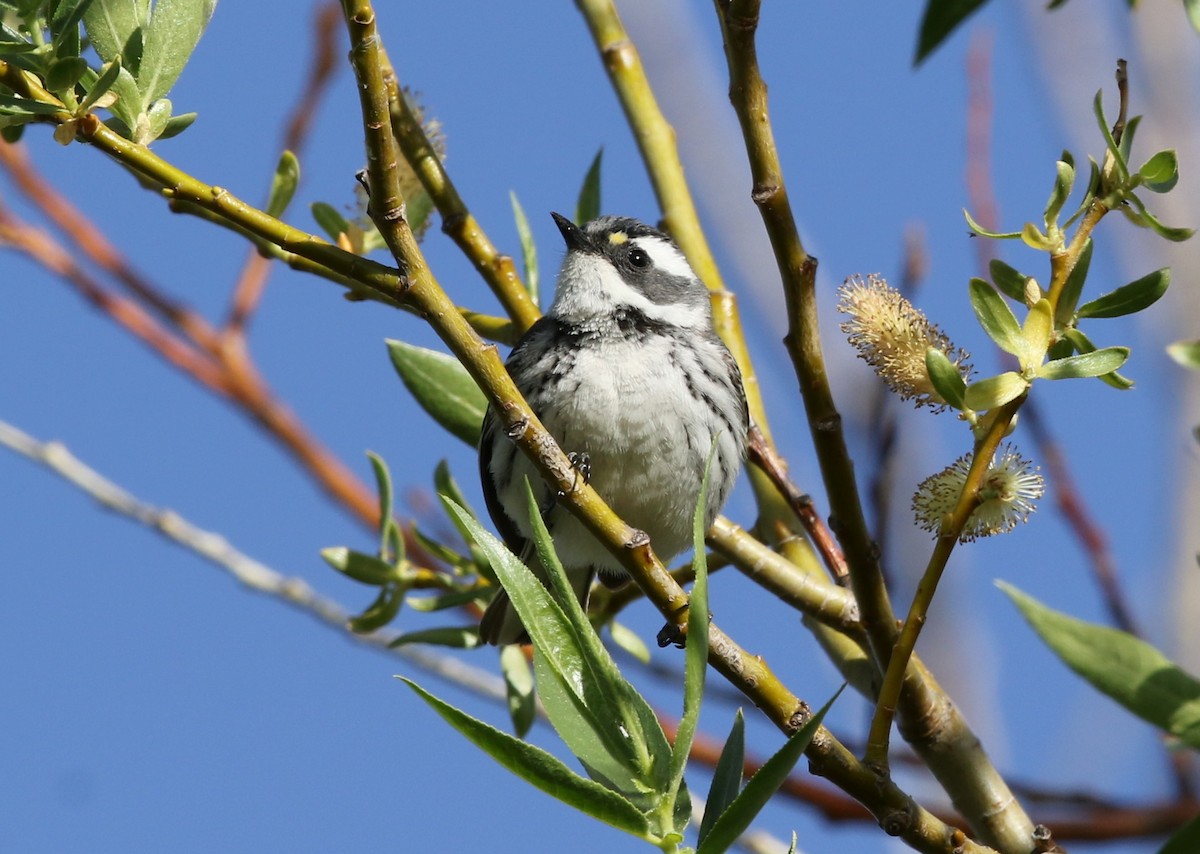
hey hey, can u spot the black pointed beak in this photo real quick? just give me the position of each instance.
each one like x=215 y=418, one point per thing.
x=576 y=240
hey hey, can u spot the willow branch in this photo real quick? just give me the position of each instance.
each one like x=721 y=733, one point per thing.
x=496 y=268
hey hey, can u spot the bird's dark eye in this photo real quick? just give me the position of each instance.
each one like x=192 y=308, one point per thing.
x=639 y=257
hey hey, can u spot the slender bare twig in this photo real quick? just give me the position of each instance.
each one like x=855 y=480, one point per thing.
x=250 y=573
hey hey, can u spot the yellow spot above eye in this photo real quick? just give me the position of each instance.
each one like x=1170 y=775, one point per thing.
x=617 y=238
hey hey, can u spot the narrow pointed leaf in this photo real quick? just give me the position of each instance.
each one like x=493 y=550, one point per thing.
x=112 y=26
x=1032 y=236
x=1193 y=13
x=945 y=376
x=941 y=18
x=528 y=247
x=330 y=221
x=1036 y=334
x=589 y=703
x=170 y=37
x=1186 y=353
x=761 y=787
x=1010 y=282
x=283 y=184
x=363 y=568
x=1136 y=212
x=727 y=776
x=696 y=647
x=102 y=85
x=587 y=208
x=1069 y=298
x=1130 y=298
x=443 y=388
x=1114 y=151
x=626 y=719
x=1084 y=345
x=541 y=769
x=1094 y=364
x=1124 y=667
x=518 y=688
x=381 y=612
x=996 y=317
x=983 y=232
x=1064 y=180
x=452 y=637
x=994 y=391
x=630 y=641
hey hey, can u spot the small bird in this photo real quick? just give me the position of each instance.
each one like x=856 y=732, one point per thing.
x=627 y=373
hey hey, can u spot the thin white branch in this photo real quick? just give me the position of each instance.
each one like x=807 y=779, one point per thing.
x=220 y=552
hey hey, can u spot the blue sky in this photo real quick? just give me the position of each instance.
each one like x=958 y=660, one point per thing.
x=151 y=704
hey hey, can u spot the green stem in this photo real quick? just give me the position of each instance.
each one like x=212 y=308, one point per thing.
x=951 y=529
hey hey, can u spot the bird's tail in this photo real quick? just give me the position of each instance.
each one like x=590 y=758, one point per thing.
x=502 y=625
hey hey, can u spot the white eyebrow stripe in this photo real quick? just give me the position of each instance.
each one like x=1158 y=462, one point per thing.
x=665 y=256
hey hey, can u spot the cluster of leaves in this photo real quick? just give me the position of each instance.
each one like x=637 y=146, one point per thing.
x=634 y=777
x=141 y=51
x=1049 y=344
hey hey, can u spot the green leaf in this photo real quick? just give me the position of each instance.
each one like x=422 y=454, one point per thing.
x=761 y=787
x=1136 y=212
x=128 y=105
x=176 y=125
x=1064 y=312
x=587 y=207
x=1186 y=353
x=63 y=74
x=1064 y=180
x=1094 y=364
x=114 y=28
x=363 y=568
x=696 y=645
x=528 y=247
x=1036 y=334
x=518 y=688
x=1124 y=667
x=443 y=388
x=169 y=38
x=1129 y=298
x=983 y=232
x=996 y=318
x=590 y=706
x=12 y=106
x=1032 y=236
x=1008 y=280
x=1161 y=172
x=941 y=18
x=541 y=769
x=1084 y=345
x=453 y=637
x=1186 y=840
x=1114 y=151
x=994 y=391
x=283 y=184
x=65 y=27
x=1193 y=12
x=624 y=722
x=630 y=641
x=446 y=486
x=98 y=88
x=391 y=539
x=727 y=776
x=381 y=612
x=945 y=376
x=330 y=221
x=441 y=602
